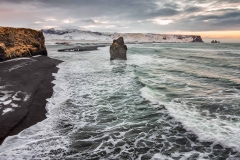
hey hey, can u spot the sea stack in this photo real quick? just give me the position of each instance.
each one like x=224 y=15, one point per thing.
x=118 y=50
x=215 y=41
x=21 y=42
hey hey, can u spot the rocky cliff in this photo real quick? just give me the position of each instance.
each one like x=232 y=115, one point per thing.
x=73 y=34
x=21 y=42
x=118 y=50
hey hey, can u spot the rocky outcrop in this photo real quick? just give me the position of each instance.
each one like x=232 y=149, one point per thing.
x=197 y=39
x=81 y=48
x=118 y=50
x=21 y=42
x=63 y=43
x=215 y=41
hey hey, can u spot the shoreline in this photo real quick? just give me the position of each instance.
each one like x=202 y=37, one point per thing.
x=25 y=84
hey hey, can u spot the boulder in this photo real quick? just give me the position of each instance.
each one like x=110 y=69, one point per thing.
x=118 y=50
x=21 y=42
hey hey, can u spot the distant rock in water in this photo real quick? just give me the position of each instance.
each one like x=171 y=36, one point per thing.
x=215 y=41
x=64 y=43
x=79 y=49
x=118 y=50
x=21 y=42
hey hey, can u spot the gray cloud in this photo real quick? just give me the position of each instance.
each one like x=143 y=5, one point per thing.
x=87 y=21
x=193 y=9
x=172 y=5
x=124 y=15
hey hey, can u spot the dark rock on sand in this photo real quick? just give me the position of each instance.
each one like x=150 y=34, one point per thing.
x=118 y=50
x=28 y=83
x=21 y=42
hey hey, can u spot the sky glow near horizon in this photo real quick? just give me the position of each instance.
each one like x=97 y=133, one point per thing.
x=218 y=19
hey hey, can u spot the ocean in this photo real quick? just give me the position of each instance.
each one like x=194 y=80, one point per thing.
x=166 y=102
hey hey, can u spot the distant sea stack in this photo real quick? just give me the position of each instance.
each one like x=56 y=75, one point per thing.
x=215 y=41
x=118 y=50
x=21 y=42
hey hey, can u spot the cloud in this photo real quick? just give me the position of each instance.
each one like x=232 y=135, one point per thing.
x=87 y=21
x=193 y=9
x=162 y=21
x=172 y=5
x=123 y=16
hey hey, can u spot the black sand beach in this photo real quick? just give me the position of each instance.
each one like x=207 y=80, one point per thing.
x=25 y=84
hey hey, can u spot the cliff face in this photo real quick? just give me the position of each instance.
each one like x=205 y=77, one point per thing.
x=52 y=34
x=118 y=50
x=21 y=42
x=197 y=39
x=161 y=38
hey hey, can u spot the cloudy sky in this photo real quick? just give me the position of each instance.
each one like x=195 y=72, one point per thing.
x=218 y=19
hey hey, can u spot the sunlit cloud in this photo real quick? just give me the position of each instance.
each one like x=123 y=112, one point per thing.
x=110 y=26
x=162 y=21
x=50 y=19
x=99 y=21
x=204 y=4
x=48 y=27
x=68 y=21
x=89 y=26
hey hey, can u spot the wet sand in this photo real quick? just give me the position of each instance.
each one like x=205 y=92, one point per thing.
x=25 y=84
